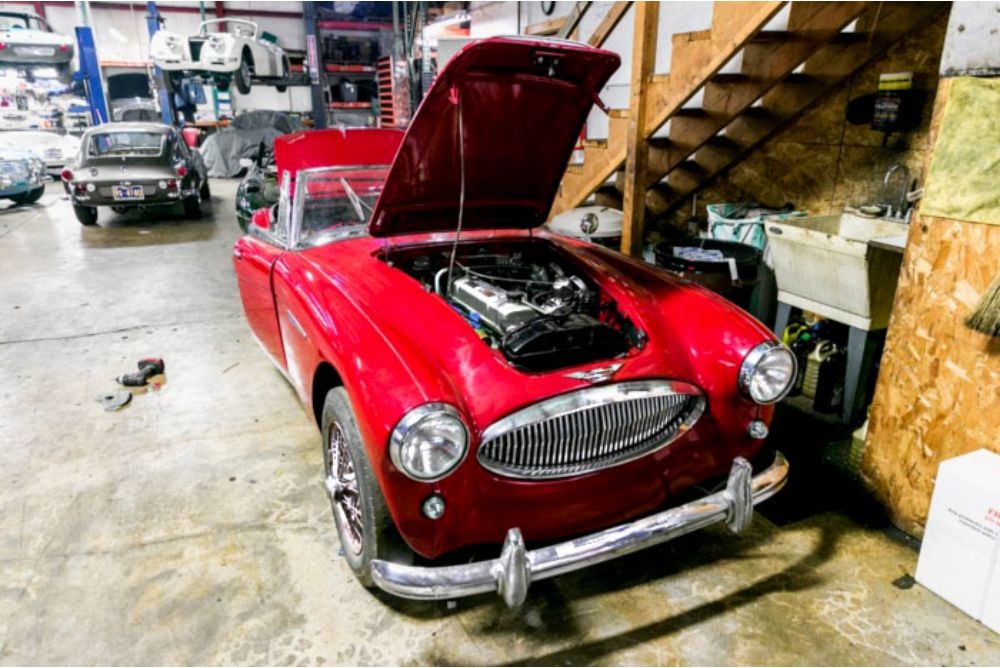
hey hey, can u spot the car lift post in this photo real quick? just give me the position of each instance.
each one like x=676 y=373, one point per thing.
x=167 y=110
x=90 y=68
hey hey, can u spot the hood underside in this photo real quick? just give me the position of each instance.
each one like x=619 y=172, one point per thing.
x=520 y=104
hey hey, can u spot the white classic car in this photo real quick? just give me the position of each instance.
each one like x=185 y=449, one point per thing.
x=53 y=148
x=28 y=41
x=238 y=55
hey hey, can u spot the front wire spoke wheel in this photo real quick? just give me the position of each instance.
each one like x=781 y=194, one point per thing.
x=347 y=500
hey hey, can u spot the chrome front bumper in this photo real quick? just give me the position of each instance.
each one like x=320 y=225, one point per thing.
x=512 y=573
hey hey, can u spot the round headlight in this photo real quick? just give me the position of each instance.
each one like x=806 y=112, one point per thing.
x=429 y=442
x=768 y=373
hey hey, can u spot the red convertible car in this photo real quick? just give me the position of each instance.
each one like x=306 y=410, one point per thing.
x=479 y=382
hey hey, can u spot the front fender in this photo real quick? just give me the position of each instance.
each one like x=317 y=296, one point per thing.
x=700 y=333
x=320 y=322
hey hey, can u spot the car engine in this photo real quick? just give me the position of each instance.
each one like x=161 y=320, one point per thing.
x=528 y=301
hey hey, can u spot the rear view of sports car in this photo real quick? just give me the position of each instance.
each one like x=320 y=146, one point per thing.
x=53 y=148
x=26 y=39
x=135 y=165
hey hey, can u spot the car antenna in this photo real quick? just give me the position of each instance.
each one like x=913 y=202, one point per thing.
x=456 y=99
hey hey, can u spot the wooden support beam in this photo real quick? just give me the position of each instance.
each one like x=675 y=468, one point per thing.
x=608 y=23
x=547 y=27
x=573 y=19
x=647 y=16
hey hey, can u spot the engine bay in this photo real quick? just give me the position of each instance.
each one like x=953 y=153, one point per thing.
x=526 y=299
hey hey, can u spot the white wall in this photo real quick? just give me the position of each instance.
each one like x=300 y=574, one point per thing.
x=493 y=17
x=972 y=43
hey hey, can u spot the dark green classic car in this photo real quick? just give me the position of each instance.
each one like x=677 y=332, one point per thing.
x=258 y=189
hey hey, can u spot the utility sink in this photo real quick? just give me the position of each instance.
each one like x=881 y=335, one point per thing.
x=828 y=265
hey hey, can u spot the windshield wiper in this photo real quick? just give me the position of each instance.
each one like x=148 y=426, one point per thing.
x=359 y=206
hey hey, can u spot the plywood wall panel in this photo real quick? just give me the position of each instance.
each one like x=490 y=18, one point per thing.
x=938 y=391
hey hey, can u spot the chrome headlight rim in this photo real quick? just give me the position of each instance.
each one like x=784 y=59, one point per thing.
x=37 y=171
x=751 y=363
x=412 y=420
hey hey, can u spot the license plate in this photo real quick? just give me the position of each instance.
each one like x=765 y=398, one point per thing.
x=128 y=192
x=34 y=50
x=53 y=153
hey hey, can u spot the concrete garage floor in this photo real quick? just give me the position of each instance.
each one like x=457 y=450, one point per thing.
x=191 y=527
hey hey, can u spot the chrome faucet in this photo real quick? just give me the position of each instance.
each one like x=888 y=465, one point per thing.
x=895 y=196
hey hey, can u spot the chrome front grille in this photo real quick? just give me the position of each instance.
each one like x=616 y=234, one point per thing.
x=590 y=429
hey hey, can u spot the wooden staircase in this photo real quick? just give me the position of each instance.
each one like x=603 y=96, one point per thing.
x=782 y=73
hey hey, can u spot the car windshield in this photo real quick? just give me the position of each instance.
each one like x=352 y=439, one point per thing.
x=333 y=203
x=21 y=22
x=133 y=143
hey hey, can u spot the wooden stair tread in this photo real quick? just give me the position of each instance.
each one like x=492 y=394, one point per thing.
x=730 y=78
x=690 y=112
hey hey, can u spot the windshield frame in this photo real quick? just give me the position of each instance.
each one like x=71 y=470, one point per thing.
x=333 y=235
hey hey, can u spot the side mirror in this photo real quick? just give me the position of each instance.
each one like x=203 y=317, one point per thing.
x=261 y=218
x=246 y=163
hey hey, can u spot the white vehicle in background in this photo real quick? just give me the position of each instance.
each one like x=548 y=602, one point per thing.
x=239 y=55
x=53 y=148
x=26 y=41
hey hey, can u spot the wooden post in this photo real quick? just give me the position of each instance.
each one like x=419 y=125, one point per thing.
x=608 y=23
x=647 y=16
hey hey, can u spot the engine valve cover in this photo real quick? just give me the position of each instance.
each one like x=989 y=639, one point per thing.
x=491 y=303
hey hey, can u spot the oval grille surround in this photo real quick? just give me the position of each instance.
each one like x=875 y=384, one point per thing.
x=590 y=429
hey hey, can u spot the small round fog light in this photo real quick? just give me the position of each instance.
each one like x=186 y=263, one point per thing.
x=91 y=187
x=162 y=185
x=433 y=507
x=757 y=429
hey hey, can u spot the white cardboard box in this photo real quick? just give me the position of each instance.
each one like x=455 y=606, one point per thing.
x=960 y=555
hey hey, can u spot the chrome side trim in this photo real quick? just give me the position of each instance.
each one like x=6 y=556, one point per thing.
x=512 y=573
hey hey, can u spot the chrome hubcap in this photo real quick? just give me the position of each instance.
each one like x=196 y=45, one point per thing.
x=342 y=484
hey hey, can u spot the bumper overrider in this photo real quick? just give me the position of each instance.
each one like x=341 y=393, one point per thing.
x=516 y=568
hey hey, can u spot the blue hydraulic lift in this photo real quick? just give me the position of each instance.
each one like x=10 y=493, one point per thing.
x=90 y=73
x=166 y=99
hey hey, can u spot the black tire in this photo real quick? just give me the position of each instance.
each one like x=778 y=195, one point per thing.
x=64 y=72
x=241 y=77
x=87 y=215
x=287 y=68
x=29 y=197
x=206 y=194
x=373 y=536
x=192 y=207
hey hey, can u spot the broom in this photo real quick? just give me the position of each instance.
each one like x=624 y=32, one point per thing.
x=986 y=318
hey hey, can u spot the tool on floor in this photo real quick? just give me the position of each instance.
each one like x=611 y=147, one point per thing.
x=112 y=401
x=148 y=367
x=986 y=318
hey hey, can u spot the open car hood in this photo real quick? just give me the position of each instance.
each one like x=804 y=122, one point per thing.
x=523 y=103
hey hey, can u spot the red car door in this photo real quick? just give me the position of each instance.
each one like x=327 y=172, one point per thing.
x=254 y=260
